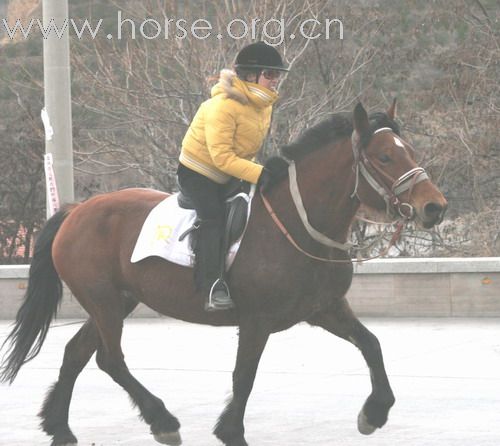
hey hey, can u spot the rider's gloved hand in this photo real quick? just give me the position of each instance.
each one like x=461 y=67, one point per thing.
x=275 y=169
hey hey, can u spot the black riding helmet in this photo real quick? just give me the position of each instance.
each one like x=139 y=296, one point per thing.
x=260 y=56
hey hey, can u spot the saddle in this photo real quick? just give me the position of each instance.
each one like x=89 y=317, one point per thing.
x=236 y=210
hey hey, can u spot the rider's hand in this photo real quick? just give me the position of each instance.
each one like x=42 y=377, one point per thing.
x=275 y=169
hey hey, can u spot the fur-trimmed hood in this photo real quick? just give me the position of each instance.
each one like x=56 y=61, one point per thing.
x=244 y=92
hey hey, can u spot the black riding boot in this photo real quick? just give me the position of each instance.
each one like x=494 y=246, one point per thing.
x=210 y=267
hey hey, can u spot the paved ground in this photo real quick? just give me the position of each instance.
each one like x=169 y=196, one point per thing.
x=445 y=374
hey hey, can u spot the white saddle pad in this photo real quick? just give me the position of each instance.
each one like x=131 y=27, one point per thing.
x=164 y=225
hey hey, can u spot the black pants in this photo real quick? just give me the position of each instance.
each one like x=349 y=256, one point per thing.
x=207 y=197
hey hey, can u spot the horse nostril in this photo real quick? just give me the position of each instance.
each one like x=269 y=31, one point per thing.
x=433 y=210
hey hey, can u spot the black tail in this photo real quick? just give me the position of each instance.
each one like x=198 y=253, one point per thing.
x=40 y=305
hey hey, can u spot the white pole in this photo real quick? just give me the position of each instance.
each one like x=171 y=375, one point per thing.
x=3 y=15
x=57 y=86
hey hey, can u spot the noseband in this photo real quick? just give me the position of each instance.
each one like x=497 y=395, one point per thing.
x=372 y=173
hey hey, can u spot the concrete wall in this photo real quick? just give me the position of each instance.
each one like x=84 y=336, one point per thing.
x=385 y=287
x=13 y=284
x=427 y=287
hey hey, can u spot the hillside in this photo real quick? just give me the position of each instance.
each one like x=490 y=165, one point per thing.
x=133 y=98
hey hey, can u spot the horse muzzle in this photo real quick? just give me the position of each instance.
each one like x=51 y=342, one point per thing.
x=431 y=214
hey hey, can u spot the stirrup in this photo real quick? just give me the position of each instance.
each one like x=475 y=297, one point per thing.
x=219 y=297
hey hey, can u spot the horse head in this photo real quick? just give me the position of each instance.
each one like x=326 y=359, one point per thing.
x=387 y=175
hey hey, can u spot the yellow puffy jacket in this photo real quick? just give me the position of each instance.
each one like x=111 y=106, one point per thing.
x=228 y=130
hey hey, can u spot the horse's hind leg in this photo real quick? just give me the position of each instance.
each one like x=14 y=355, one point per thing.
x=340 y=321
x=164 y=426
x=79 y=350
x=54 y=413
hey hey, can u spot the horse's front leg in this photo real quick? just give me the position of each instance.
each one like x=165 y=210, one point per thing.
x=341 y=321
x=253 y=337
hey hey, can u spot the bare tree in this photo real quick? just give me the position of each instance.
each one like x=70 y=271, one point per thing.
x=134 y=98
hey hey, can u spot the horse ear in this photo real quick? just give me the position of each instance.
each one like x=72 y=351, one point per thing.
x=391 y=112
x=361 y=124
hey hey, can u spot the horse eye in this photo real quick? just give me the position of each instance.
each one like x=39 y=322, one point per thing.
x=384 y=158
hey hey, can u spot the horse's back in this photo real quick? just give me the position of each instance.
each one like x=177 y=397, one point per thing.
x=92 y=252
x=125 y=199
x=103 y=228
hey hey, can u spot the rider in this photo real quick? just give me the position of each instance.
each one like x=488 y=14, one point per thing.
x=221 y=142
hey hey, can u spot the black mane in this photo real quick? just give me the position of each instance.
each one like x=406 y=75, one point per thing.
x=335 y=127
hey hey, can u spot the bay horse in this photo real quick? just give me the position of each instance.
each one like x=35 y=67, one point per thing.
x=340 y=163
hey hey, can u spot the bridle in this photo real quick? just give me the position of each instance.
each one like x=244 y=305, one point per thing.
x=372 y=174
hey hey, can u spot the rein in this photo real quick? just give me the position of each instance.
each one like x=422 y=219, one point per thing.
x=282 y=228
x=371 y=173
x=297 y=199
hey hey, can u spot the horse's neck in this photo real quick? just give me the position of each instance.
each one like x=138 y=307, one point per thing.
x=326 y=181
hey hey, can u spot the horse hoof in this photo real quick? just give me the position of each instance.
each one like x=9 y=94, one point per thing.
x=239 y=442
x=364 y=427
x=67 y=439
x=170 y=438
